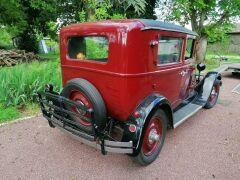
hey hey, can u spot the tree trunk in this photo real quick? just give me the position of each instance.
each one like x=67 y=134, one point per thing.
x=202 y=49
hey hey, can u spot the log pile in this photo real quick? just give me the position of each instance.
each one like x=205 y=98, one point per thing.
x=13 y=57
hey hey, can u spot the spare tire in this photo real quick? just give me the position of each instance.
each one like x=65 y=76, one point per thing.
x=84 y=92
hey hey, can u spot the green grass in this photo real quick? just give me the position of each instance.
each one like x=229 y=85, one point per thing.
x=212 y=60
x=8 y=113
x=51 y=55
x=19 y=85
x=11 y=113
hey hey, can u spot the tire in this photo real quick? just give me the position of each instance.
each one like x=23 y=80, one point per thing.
x=236 y=73
x=83 y=91
x=150 y=149
x=213 y=97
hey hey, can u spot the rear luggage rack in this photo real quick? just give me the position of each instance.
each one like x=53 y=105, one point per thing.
x=54 y=109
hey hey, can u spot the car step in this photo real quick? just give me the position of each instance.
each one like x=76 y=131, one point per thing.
x=184 y=113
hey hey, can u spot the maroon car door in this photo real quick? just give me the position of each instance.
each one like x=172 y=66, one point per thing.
x=188 y=69
x=169 y=67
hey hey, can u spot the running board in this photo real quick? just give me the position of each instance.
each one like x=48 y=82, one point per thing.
x=184 y=113
x=203 y=92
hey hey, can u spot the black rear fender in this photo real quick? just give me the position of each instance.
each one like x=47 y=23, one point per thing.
x=147 y=107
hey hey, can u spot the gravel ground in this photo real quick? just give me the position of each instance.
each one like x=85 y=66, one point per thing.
x=207 y=146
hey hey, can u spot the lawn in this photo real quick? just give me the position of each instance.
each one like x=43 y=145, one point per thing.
x=19 y=85
x=212 y=60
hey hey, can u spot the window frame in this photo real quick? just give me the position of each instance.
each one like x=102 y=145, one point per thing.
x=180 y=55
x=86 y=60
x=192 y=48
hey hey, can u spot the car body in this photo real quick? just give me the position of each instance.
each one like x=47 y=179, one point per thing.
x=134 y=75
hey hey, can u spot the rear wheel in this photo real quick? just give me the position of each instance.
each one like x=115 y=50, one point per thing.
x=153 y=138
x=83 y=92
x=212 y=100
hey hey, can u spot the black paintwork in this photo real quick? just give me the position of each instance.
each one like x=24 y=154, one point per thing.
x=204 y=88
x=148 y=106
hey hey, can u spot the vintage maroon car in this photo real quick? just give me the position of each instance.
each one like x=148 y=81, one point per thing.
x=125 y=82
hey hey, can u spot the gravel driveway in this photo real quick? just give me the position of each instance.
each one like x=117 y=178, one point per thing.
x=206 y=146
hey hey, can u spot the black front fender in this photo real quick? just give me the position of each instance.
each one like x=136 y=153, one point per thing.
x=205 y=86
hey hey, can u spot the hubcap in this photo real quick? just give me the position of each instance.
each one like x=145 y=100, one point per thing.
x=80 y=111
x=79 y=97
x=213 y=95
x=153 y=136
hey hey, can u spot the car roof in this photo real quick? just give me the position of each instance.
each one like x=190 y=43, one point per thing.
x=154 y=24
x=146 y=24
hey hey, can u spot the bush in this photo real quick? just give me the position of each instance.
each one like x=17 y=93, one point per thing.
x=20 y=83
x=5 y=39
x=27 y=41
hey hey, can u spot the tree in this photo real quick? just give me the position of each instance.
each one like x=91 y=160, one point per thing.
x=207 y=17
x=38 y=15
x=147 y=14
x=28 y=17
x=73 y=11
x=33 y=17
x=12 y=14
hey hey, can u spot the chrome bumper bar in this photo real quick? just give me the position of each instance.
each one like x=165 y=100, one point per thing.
x=109 y=146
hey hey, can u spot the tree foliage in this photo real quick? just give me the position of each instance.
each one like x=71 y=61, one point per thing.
x=206 y=16
x=12 y=14
x=73 y=11
x=209 y=18
x=147 y=14
x=29 y=18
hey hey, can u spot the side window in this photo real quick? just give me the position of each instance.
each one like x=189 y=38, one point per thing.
x=189 y=49
x=93 y=48
x=169 y=50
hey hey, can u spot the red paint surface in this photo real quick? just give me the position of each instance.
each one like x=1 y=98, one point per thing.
x=131 y=73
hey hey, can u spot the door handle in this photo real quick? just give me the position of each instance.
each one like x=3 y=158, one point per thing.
x=183 y=73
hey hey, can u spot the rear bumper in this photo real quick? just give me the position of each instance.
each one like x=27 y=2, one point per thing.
x=109 y=146
x=99 y=140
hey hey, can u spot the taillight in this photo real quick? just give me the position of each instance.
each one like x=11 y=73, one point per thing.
x=132 y=128
x=136 y=114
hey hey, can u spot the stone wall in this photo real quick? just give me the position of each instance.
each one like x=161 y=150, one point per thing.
x=231 y=45
x=234 y=43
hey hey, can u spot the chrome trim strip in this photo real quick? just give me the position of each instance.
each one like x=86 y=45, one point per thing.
x=118 y=144
x=186 y=117
x=119 y=150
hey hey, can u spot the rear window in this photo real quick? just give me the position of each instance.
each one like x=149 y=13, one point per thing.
x=93 y=48
x=169 y=50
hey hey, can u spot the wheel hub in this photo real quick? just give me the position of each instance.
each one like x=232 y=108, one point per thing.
x=80 y=98
x=214 y=93
x=153 y=136
x=80 y=111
